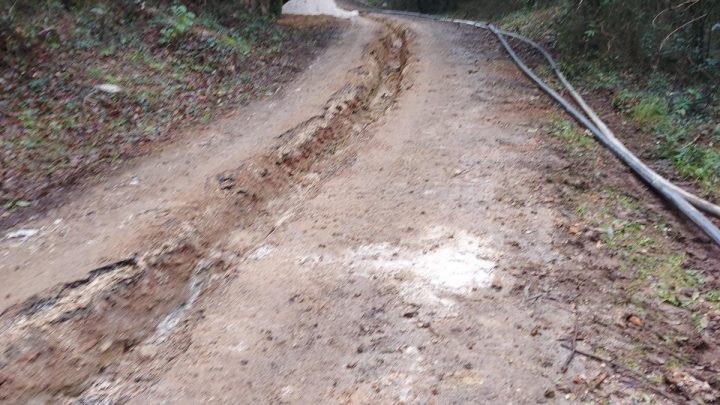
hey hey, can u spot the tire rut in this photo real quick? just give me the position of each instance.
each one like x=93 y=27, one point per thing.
x=58 y=346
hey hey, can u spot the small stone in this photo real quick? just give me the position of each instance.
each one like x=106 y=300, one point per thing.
x=23 y=234
x=109 y=88
x=635 y=321
x=147 y=352
x=410 y=312
x=575 y=229
x=496 y=283
x=226 y=182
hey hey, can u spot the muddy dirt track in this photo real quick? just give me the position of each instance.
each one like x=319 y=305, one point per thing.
x=362 y=236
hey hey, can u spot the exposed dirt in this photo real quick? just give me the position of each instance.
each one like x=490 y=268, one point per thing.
x=92 y=230
x=160 y=287
x=396 y=226
x=655 y=322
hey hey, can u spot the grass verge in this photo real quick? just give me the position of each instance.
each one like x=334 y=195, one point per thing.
x=674 y=123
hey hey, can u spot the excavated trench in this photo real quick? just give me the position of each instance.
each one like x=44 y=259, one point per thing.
x=56 y=346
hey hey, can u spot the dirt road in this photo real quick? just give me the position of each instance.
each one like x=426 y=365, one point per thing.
x=102 y=224
x=359 y=237
x=378 y=288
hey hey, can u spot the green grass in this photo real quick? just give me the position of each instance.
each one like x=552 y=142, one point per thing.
x=652 y=111
x=684 y=138
x=681 y=118
x=641 y=246
x=571 y=134
x=533 y=23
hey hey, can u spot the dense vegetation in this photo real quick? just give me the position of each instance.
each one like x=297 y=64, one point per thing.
x=677 y=36
x=88 y=84
x=658 y=60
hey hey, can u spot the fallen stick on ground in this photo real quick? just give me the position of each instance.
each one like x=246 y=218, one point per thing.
x=637 y=376
x=573 y=348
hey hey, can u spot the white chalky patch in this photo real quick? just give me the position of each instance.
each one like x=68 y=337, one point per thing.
x=240 y=347
x=109 y=88
x=317 y=7
x=261 y=252
x=456 y=264
x=455 y=269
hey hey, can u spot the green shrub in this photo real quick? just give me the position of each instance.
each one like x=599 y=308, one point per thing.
x=682 y=38
x=176 y=24
x=276 y=7
x=644 y=34
x=700 y=163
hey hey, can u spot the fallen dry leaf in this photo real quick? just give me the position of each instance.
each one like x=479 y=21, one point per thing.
x=599 y=379
x=635 y=321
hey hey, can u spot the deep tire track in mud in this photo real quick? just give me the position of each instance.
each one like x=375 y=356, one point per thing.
x=55 y=345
